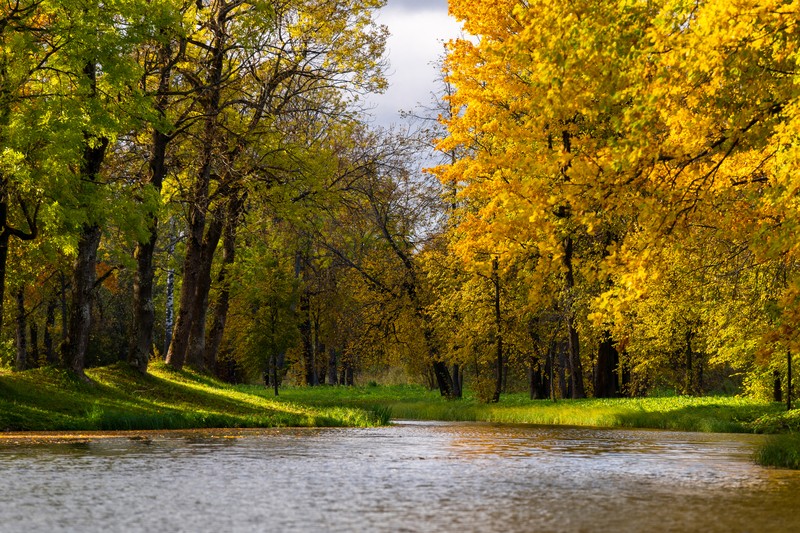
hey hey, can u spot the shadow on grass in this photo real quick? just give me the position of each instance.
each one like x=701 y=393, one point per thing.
x=707 y=418
x=122 y=399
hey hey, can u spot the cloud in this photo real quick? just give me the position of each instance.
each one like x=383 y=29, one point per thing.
x=418 y=29
x=418 y=5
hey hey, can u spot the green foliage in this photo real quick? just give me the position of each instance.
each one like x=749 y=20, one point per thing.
x=778 y=422
x=265 y=295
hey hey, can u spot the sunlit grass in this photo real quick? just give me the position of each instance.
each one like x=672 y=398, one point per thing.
x=121 y=399
x=680 y=413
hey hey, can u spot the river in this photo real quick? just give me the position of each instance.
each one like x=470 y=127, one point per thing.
x=412 y=476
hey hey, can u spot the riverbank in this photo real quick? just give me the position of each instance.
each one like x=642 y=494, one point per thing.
x=717 y=414
x=121 y=399
x=712 y=414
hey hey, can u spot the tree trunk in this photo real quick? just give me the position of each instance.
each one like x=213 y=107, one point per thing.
x=777 y=387
x=176 y=355
x=49 y=324
x=222 y=303
x=788 y=380
x=143 y=308
x=551 y=370
x=33 y=359
x=6 y=232
x=498 y=384
x=196 y=351
x=574 y=358
x=458 y=391
x=21 y=340
x=4 y=238
x=689 y=384
x=538 y=384
x=217 y=330
x=199 y=195
x=275 y=373
x=307 y=335
x=532 y=379
x=443 y=379
x=64 y=309
x=83 y=281
x=169 y=311
x=563 y=356
x=84 y=273
x=606 y=380
x=144 y=316
x=700 y=363
x=195 y=356
x=333 y=358
x=322 y=364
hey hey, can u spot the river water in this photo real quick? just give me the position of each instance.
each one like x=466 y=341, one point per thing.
x=412 y=476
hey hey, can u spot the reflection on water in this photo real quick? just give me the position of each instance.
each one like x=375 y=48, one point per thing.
x=409 y=477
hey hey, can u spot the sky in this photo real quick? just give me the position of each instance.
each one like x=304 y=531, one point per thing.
x=418 y=28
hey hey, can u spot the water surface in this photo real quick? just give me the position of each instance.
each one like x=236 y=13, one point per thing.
x=408 y=477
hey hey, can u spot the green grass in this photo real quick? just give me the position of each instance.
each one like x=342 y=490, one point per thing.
x=679 y=413
x=781 y=450
x=121 y=399
x=682 y=413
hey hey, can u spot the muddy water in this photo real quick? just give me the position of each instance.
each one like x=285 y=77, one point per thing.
x=408 y=477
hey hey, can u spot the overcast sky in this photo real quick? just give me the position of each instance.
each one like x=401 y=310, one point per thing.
x=418 y=28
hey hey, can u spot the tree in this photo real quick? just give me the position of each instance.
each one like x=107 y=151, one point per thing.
x=26 y=48
x=573 y=117
x=171 y=115
x=66 y=92
x=257 y=72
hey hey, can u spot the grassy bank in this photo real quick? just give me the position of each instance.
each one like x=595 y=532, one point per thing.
x=781 y=450
x=680 y=413
x=121 y=399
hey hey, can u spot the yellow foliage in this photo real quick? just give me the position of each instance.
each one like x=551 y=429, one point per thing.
x=667 y=126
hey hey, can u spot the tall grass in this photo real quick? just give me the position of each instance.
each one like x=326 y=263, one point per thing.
x=781 y=451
